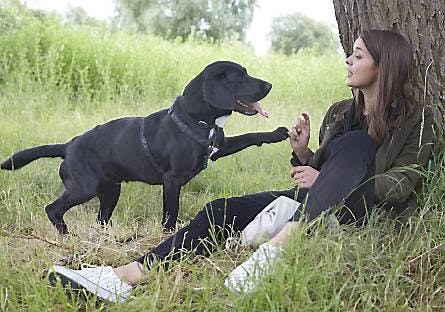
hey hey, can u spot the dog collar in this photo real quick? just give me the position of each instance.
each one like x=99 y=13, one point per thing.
x=184 y=123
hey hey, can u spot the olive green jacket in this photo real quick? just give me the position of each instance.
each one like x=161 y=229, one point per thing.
x=398 y=158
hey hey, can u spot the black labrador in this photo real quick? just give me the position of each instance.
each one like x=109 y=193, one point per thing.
x=168 y=147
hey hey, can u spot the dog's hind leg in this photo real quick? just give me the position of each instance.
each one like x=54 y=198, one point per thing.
x=57 y=209
x=79 y=188
x=108 y=194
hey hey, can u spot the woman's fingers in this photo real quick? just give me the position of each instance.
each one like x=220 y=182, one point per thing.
x=304 y=176
x=293 y=131
x=307 y=121
x=297 y=172
x=298 y=126
x=302 y=124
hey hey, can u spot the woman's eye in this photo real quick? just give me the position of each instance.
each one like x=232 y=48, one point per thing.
x=358 y=56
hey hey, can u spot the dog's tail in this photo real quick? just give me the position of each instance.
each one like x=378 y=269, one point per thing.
x=24 y=157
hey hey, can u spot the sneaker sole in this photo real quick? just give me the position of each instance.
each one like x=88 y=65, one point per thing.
x=69 y=278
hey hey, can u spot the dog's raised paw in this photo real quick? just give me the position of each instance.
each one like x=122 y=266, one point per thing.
x=279 y=134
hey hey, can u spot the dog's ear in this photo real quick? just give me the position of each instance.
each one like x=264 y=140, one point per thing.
x=217 y=91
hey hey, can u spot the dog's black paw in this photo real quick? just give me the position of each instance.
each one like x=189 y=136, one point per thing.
x=56 y=220
x=279 y=134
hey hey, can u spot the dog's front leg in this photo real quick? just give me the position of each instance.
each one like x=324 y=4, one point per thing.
x=171 y=189
x=237 y=143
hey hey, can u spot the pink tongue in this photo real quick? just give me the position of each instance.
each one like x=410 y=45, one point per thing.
x=257 y=107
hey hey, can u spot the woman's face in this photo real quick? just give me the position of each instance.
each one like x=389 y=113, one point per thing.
x=362 y=70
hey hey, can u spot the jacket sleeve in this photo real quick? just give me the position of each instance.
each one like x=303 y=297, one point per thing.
x=295 y=161
x=397 y=184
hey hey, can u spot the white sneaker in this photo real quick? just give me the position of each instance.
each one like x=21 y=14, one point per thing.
x=247 y=275
x=100 y=281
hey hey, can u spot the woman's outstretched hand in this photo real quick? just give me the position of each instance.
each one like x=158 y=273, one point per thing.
x=304 y=176
x=299 y=135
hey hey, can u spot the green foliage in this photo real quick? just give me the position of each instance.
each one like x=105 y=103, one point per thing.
x=295 y=31
x=81 y=62
x=44 y=99
x=91 y=63
x=209 y=20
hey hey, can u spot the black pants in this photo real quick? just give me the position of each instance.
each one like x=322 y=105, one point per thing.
x=344 y=178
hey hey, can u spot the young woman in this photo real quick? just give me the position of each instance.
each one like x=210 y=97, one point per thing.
x=361 y=139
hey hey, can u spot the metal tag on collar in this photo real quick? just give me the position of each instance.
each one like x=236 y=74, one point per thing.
x=202 y=124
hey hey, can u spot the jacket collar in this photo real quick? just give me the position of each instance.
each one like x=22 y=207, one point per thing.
x=348 y=115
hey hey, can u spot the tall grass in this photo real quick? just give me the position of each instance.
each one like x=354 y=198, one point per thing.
x=57 y=81
x=97 y=64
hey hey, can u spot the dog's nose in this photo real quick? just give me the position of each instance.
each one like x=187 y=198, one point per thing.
x=267 y=86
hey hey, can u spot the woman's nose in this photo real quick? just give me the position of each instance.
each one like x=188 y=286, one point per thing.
x=347 y=61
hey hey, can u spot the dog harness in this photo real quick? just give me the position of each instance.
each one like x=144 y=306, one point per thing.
x=211 y=142
x=146 y=148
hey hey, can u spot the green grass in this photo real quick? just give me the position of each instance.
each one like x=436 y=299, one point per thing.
x=56 y=82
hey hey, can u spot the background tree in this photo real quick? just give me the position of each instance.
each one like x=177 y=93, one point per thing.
x=181 y=18
x=421 y=22
x=131 y=13
x=78 y=16
x=296 y=31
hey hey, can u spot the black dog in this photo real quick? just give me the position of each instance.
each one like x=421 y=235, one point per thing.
x=168 y=147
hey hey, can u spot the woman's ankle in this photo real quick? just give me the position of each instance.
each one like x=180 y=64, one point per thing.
x=283 y=236
x=131 y=273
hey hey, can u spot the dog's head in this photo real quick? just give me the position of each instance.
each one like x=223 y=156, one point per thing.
x=227 y=87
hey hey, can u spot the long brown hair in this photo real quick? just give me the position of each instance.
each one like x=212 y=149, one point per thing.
x=393 y=55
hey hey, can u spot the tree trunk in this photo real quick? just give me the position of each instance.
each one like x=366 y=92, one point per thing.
x=422 y=22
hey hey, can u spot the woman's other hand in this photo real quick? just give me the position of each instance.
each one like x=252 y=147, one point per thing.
x=304 y=176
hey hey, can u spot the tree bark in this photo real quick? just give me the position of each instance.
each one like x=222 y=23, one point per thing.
x=422 y=22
